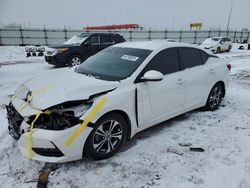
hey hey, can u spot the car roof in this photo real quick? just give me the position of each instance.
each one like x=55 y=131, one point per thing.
x=154 y=45
x=101 y=33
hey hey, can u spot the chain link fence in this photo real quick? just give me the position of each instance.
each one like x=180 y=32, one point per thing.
x=55 y=36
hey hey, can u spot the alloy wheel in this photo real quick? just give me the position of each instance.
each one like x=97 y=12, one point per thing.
x=108 y=136
x=75 y=61
x=215 y=97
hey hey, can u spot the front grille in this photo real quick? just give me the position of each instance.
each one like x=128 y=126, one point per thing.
x=15 y=121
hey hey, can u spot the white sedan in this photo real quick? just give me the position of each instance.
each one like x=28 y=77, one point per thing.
x=94 y=108
x=217 y=44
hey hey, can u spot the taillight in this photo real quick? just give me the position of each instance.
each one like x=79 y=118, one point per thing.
x=229 y=66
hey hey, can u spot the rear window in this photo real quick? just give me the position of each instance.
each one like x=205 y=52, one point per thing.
x=204 y=56
x=190 y=57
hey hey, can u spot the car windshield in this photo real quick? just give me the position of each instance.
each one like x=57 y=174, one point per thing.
x=211 y=40
x=78 y=39
x=215 y=39
x=114 y=63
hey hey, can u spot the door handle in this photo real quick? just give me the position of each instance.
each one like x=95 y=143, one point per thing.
x=211 y=71
x=180 y=81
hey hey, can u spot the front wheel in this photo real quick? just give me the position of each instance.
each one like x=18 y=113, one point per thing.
x=74 y=60
x=215 y=96
x=107 y=137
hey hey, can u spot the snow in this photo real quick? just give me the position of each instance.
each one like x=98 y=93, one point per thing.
x=148 y=159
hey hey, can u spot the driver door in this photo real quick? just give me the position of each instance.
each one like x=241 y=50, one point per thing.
x=91 y=46
x=158 y=100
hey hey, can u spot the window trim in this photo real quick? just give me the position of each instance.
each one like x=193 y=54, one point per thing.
x=181 y=61
x=95 y=44
x=113 y=42
x=138 y=77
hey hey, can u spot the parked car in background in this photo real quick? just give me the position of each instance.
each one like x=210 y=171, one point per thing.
x=217 y=44
x=79 y=48
x=120 y=91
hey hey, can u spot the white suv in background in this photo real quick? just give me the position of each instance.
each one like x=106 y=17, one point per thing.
x=217 y=44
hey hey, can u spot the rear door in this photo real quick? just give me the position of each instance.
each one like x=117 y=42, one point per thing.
x=158 y=100
x=193 y=62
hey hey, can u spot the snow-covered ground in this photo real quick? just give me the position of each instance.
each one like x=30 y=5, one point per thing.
x=147 y=160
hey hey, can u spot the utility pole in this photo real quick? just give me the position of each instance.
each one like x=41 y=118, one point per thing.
x=229 y=18
x=173 y=22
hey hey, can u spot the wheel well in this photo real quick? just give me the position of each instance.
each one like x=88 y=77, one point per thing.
x=223 y=86
x=75 y=54
x=124 y=114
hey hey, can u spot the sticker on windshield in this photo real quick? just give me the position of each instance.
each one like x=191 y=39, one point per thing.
x=129 y=57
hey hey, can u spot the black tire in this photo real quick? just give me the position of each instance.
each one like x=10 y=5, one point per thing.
x=100 y=144
x=74 y=60
x=214 y=98
x=229 y=48
x=218 y=50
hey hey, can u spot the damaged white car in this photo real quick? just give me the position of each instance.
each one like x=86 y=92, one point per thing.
x=144 y=83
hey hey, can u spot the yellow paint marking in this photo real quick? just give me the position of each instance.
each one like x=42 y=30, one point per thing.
x=30 y=152
x=34 y=93
x=89 y=117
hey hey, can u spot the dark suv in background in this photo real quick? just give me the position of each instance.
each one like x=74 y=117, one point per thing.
x=79 y=48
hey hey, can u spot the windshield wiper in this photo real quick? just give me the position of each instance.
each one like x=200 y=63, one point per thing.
x=90 y=75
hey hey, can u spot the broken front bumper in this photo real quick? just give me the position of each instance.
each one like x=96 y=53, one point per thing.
x=47 y=145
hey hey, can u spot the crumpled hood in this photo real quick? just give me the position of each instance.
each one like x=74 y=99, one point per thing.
x=61 y=85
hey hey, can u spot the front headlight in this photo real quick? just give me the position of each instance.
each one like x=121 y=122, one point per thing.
x=62 y=116
x=51 y=51
x=61 y=50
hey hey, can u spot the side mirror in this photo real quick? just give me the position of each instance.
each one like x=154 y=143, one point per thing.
x=152 y=75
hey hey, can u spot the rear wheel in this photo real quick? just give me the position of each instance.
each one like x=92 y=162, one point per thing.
x=215 y=96
x=107 y=137
x=229 y=48
x=74 y=60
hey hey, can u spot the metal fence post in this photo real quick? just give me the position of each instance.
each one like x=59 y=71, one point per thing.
x=149 y=34
x=130 y=35
x=195 y=37
x=21 y=35
x=45 y=35
x=0 y=37
x=166 y=34
x=219 y=32
x=247 y=37
x=180 y=35
x=235 y=36
x=209 y=33
x=65 y=34
x=241 y=34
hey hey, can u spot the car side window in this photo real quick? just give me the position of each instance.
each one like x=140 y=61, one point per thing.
x=222 y=40
x=106 y=40
x=190 y=57
x=94 y=40
x=166 y=62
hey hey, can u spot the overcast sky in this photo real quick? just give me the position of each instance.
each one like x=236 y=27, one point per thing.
x=157 y=14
